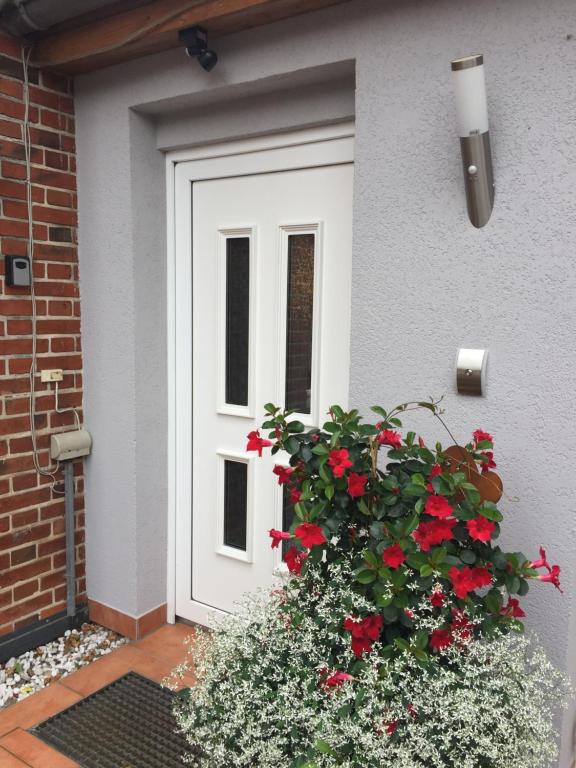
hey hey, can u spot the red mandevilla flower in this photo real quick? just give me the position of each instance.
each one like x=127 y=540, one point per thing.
x=479 y=436
x=336 y=679
x=357 y=484
x=490 y=463
x=295 y=560
x=512 y=609
x=389 y=437
x=434 y=532
x=310 y=535
x=364 y=632
x=543 y=562
x=394 y=556
x=295 y=495
x=283 y=473
x=339 y=461
x=435 y=471
x=391 y=727
x=461 y=626
x=438 y=506
x=481 y=529
x=440 y=638
x=553 y=577
x=278 y=536
x=257 y=443
x=467 y=579
x=437 y=599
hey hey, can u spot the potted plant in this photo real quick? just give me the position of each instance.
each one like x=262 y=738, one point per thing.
x=398 y=638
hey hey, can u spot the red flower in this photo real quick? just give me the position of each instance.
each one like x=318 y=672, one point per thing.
x=461 y=625
x=336 y=679
x=479 y=436
x=389 y=437
x=467 y=579
x=257 y=443
x=295 y=560
x=434 y=532
x=411 y=709
x=310 y=535
x=490 y=464
x=481 y=529
x=339 y=461
x=553 y=577
x=543 y=562
x=283 y=473
x=364 y=632
x=391 y=727
x=481 y=577
x=435 y=471
x=421 y=442
x=512 y=610
x=394 y=556
x=278 y=536
x=437 y=599
x=357 y=484
x=277 y=432
x=295 y=495
x=437 y=506
x=440 y=638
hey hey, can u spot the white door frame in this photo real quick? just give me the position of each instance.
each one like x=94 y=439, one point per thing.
x=326 y=145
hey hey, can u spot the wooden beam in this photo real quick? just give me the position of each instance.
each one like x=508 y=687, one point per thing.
x=154 y=27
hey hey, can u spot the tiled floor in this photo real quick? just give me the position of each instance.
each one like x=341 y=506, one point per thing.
x=155 y=657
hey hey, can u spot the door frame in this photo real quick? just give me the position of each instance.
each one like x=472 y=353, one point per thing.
x=320 y=146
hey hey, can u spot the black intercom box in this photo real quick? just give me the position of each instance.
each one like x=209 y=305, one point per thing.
x=18 y=271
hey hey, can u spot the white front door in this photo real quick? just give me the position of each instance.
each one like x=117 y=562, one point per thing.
x=268 y=235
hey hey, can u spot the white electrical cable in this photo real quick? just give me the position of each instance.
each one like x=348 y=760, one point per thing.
x=65 y=410
x=49 y=471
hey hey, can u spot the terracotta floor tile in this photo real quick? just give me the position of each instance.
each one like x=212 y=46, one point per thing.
x=101 y=672
x=34 y=752
x=9 y=761
x=37 y=707
x=168 y=642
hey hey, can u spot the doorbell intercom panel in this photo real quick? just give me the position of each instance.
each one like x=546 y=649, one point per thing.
x=18 y=271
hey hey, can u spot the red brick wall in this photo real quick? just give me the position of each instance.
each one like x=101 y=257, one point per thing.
x=32 y=556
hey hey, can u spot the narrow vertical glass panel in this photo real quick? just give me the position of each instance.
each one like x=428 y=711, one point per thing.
x=287 y=519
x=235 y=504
x=300 y=311
x=237 y=319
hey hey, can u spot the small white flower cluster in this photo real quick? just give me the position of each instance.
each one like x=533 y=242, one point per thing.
x=262 y=701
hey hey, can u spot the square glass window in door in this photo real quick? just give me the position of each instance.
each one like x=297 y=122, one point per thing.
x=299 y=321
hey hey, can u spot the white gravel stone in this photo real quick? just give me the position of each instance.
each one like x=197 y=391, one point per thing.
x=33 y=670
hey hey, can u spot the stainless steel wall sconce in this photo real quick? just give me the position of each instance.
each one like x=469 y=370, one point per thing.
x=472 y=112
x=471 y=371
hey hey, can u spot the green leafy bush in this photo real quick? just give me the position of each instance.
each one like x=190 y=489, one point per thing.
x=390 y=644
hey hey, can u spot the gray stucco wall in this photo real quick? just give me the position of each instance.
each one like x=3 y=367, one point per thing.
x=425 y=282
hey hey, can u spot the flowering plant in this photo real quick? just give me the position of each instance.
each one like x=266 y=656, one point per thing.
x=391 y=642
x=425 y=526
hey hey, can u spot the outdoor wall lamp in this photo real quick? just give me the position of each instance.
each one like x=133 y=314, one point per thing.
x=196 y=41
x=472 y=114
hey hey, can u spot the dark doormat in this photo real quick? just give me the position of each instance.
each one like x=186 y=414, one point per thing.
x=127 y=724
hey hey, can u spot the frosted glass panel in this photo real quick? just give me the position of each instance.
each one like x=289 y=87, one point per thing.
x=237 y=319
x=300 y=312
x=235 y=503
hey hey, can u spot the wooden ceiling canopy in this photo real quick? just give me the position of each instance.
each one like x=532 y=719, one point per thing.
x=153 y=27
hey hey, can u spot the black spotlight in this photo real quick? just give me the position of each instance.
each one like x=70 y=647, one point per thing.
x=196 y=41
